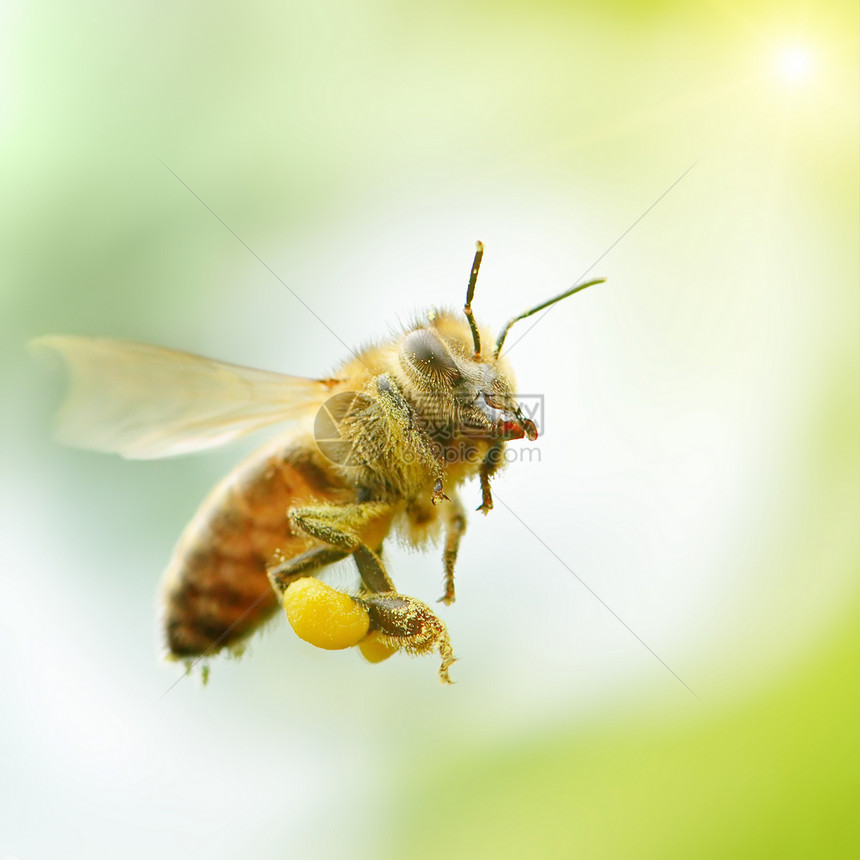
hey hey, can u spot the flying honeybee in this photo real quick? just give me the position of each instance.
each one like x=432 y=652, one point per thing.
x=382 y=445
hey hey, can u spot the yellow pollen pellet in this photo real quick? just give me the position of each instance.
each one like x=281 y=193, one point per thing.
x=324 y=616
x=374 y=650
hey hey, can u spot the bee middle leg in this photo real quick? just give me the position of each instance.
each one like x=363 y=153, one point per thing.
x=454 y=531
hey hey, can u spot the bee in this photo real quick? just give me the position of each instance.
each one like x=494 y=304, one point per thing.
x=381 y=446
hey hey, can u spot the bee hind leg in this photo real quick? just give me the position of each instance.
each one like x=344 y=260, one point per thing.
x=337 y=525
x=402 y=622
x=409 y=625
x=283 y=574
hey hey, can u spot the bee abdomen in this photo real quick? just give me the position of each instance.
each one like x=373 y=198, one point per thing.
x=216 y=590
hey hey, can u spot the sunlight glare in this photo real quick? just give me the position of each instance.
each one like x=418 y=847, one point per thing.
x=794 y=63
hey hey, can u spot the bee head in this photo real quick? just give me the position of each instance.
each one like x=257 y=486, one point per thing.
x=456 y=389
x=444 y=364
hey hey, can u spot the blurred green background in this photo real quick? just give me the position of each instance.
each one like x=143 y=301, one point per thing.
x=657 y=626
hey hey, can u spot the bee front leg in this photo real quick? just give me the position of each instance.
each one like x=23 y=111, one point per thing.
x=489 y=466
x=486 y=494
x=412 y=440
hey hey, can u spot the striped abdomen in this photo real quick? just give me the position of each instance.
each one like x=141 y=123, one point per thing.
x=216 y=591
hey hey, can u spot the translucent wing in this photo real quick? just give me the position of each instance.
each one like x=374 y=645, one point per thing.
x=145 y=402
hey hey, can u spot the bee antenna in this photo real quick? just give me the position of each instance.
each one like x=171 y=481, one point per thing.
x=470 y=294
x=541 y=306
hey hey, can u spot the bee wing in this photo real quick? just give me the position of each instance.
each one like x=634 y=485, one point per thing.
x=144 y=401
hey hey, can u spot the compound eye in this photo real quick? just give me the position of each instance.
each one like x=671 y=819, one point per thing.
x=426 y=353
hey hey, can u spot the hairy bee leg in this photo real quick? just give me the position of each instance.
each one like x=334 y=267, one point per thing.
x=403 y=622
x=455 y=529
x=411 y=626
x=341 y=525
x=439 y=493
x=414 y=440
x=486 y=493
x=373 y=574
x=282 y=575
x=489 y=466
x=337 y=525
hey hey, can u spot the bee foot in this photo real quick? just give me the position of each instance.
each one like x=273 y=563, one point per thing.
x=438 y=495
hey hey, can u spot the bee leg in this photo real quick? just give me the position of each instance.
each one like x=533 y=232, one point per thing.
x=455 y=528
x=439 y=493
x=409 y=625
x=339 y=525
x=373 y=574
x=283 y=574
x=486 y=494
x=402 y=622
x=412 y=439
x=336 y=525
x=489 y=467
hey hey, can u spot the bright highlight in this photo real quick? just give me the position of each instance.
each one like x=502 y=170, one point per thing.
x=795 y=63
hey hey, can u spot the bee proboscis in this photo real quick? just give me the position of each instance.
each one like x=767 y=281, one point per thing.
x=380 y=446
